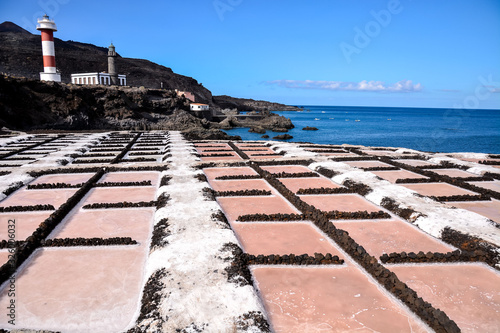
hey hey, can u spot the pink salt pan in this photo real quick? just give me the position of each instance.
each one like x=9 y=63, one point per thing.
x=94 y=160
x=131 y=177
x=78 y=289
x=339 y=154
x=394 y=175
x=468 y=293
x=368 y=164
x=270 y=157
x=234 y=156
x=286 y=168
x=250 y=145
x=134 y=222
x=282 y=238
x=24 y=197
x=414 y=162
x=380 y=152
x=438 y=189
x=381 y=237
x=294 y=184
x=233 y=207
x=24 y=222
x=210 y=150
x=251 y=151
x=457 y=173
x=240 y=185
x=340 y=202
x=491 y=185
x=340 y=151
x=212 y=145
x=489 y=209
x=213 y=173
x=120 y=194
x=69 y=178
x=330 y=299
x=4 y=256
x=470 y=159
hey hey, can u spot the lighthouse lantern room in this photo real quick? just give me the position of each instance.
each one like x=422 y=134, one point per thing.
x=47 y=28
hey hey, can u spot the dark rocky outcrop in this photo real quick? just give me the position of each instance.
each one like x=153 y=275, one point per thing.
x=30 y=104
x=283 y=137
x=308 y=128
x=261 y=121
x=258 y=130
x=246 y=104
x=27 y=104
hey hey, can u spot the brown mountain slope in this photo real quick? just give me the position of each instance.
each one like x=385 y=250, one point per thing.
x=20 y=55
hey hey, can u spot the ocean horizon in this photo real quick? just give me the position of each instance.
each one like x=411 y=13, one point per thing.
x=425 y=129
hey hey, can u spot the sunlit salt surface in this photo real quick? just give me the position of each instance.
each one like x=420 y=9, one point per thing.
x=338 y=299
x=282 y=238
x=394 y=175
x=107 y=223
x=340 y=202
x=380 y=152
x=294 y=184
x=379 y=237
x=120 y=194
x=4 y=256
x=286 y=168
x=24 y=223
x=91 y=289
x=236 y=206
x=489 y=209
x=213 y=173
x=210 y=145
x=368 y=164
x=468 y=293
x=240 y=185
x=68 y=178
x=234 y=156
x=338 y=154
x=24 y=197
x=456 y=173
x=152 y=176
x=414 y=162
x=491 y=185
x=438 y=189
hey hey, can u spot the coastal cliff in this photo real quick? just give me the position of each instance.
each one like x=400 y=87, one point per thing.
x=27 y=105
x=21 y=56
x=246 y=104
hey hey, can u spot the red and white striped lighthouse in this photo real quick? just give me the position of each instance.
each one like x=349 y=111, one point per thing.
x=47 y=27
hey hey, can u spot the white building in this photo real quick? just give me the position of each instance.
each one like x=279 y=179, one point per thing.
x=97 y=78
x=199 y=107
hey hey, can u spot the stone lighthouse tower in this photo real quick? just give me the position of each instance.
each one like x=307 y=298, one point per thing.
x=111 y=64
x=47 y=28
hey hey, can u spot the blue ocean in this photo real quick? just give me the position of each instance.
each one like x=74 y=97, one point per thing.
x=426 y=129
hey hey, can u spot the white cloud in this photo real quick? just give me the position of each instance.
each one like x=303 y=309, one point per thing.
x=493 y=89
x=377 y=86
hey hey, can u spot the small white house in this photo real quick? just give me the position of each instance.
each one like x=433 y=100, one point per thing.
x=97 y=78
x=199 y=107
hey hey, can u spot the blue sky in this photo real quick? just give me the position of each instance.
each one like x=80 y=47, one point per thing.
x=417 y=53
